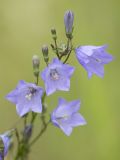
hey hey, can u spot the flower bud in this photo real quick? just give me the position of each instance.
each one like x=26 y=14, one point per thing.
x=27 y=131
x=45 y=50
x=45 y=53
x=68 y=21
x=36 y=61
x=54 y=35
x=53 y=31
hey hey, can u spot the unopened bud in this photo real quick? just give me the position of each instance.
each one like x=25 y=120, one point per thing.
x=54 y=35
x=27 y=131
x=45 y=53
x=45 y=50
x=68 y=21
x=36 y=63
x=53 y=31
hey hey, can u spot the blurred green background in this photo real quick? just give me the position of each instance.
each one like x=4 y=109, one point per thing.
x=24 y=27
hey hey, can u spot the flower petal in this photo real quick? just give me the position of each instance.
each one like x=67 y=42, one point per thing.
x=66 y=129
x=36 y=105
x=95 y=68
x=67 y=108
x=63 y=85
x=49 y=87
x=22 y=109
x=77 y=120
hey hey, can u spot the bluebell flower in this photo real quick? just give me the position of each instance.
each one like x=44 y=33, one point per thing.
x=5 y=142
x=66 y=116
x=27 y=97
x=68 y=21
x=93 y=58
x=57 y=76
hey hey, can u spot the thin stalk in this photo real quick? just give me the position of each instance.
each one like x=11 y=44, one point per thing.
x=25 y=120
x=67 y=57
x=40 y=134
x=17 y=135
x=56 y=47
x=69 y=43
x=37 y=80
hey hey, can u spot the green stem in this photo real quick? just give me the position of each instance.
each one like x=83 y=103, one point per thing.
x=67 y=57
x=69 y=43
x=37 y=79
x=43 y=122
x=33 y=117
x=56 y=47
x=17 y=136
x=40 y=134
x=25 y=121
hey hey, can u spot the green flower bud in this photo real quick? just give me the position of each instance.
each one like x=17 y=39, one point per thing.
x=45 y=53
x=54 y=35
x=36 y=63
x=53 y=31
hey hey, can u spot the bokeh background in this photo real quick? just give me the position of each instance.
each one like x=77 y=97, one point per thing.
x=24 y=27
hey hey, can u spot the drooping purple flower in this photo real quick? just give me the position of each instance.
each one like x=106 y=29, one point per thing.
x=27 y=97
x=4 y=145
x=93 y=58
x=68 y=21
x=66 y=116
x=57 y=76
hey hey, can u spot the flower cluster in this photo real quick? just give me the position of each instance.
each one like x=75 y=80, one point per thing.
x=29 y=98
